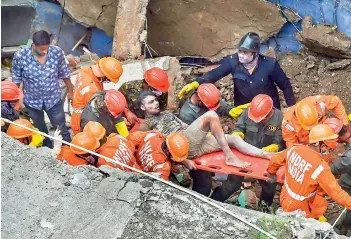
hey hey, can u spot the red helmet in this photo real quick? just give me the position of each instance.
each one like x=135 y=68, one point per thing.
x=335 y=124
x=157 y=78
x=209 y=95
x=10 y=91
x=260 y=107
x=115 y=102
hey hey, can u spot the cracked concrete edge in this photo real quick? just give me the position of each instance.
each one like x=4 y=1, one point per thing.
x=135 y=203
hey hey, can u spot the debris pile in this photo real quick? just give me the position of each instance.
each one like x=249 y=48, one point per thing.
x=59 y=201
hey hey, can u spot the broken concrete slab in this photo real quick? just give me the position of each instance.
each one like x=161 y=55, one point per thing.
x=92 y=13
x=130 y=22
x=116 y=204
x=204 y=28
x=323 y=39
x=338 y=65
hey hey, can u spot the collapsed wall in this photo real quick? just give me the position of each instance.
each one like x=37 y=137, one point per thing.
x=43 y=198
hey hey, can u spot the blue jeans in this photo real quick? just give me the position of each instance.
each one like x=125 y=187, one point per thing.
x=57 y=118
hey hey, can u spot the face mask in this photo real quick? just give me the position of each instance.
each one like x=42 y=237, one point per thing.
x=157 y=93
x=245 y=58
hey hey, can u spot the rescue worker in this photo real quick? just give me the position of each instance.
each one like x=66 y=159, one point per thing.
x=207 y=97
x=11 y=95
x=155 y=80
x=300 y=118
x=90 y=81
x=156 y=154
x=199 y=142
x=260 y=126
x=23 y=135
x=106 y=108
x=253 y=74
x=76 y=157
x=308 y=176
x=113 y=146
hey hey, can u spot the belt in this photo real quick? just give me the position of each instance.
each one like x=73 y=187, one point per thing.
x=78 y=111
x=297 y=196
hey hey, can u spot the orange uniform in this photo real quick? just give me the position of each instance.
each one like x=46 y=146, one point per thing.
x=86 y=86
x=150 y=155
x=67 y=156
x=292 y=131
x=307 y=177
x=119 y=149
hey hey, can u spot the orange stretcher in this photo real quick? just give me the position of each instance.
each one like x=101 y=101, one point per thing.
x=215 y=162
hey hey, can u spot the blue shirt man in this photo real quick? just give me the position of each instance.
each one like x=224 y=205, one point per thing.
x=40 y=68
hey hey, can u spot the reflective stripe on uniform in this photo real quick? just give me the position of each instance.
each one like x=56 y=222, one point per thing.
x=85 y=90
x=297 y=196
x=158 y=166
x=316 y=172
x=289 y=127
x=77 y=111
x=148 y=136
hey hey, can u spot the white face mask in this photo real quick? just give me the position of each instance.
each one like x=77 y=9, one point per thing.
x=157 y=92
x=245 y=58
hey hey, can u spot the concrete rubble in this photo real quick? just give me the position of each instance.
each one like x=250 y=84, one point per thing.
x=43 y=198
x=323 y=39
x=129 y=25
x=90 y=13
x=206 y=28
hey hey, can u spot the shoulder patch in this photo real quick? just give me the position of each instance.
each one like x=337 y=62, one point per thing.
x=289 y=127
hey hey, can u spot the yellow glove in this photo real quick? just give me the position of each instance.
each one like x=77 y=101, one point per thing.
x=237 y=111
x=349 y=117
x=241 y=134
x=209 y=134
x=37 y=140
x=122 y=129
x=271 y=148
x=186 y=89
x=322 y=219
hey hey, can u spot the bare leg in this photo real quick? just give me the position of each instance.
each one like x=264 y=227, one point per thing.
x=235 y=141
x=211 y=123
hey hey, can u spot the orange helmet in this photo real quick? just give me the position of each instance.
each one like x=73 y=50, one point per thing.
x=111 y=68
x=96 y=129
x=209 y=96
x=10 y=91
x=157 y=78
x=178 y=146
x=306 y=114
x=18 y=132
x=260 y=107
x=335 y=124
x=84 y=140
x=325 y=133
x=115 y=102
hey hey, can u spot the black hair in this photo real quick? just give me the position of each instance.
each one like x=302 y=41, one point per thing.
x=41 y=38
x=141 y=96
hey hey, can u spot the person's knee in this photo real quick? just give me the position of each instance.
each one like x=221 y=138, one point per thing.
x=211 y=115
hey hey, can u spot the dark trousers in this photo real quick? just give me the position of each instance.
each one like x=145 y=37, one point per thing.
x=268 y=191
x=202 y=184
x=345 y=183
x=56 y=115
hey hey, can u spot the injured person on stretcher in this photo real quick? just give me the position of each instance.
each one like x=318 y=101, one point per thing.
x=199 y=142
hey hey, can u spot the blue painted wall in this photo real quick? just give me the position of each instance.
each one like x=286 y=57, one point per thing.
x=317 y=9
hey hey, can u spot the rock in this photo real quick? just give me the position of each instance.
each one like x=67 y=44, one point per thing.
x=310 y=65
x=113 y=206
x=92 y=13
x=291 y=15
x=130 y=21
x=194 y=28
x=338 y=65
x=322 y=39
x=5 y=73
x=307 y=233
